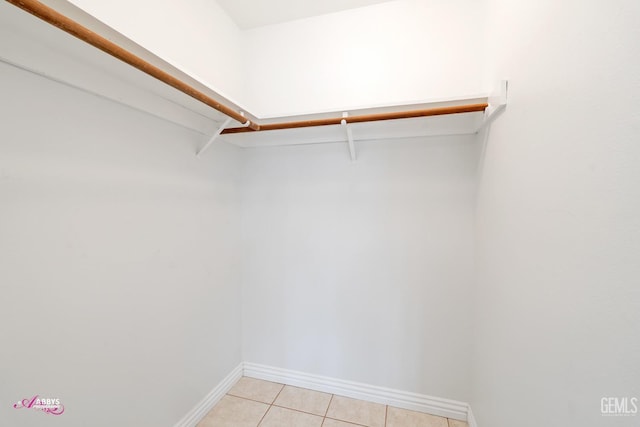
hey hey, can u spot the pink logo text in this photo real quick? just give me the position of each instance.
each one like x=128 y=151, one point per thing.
x=48 y=406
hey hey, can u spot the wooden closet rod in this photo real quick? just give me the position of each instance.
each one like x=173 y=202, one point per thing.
x=68 y=25
x=470 y=108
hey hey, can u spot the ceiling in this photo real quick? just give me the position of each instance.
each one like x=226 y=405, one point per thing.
x=256 y=13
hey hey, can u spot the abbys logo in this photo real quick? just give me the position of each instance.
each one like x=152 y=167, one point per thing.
x=48 y=405
x=619 y=406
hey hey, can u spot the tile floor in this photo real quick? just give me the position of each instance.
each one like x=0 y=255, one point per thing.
x=253 y=403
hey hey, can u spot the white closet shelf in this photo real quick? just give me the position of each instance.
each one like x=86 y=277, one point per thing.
x=427 y=125
x=452 y=117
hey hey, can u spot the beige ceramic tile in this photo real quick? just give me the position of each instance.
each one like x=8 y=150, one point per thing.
x=357 y=411
x=303 y=400
x=281 y=417
x=251 y=388
x=234 y=412
x=397 y=417
x=328 y=422
x=456 y=423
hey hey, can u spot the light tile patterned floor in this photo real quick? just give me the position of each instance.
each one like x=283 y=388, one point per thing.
x=253 y=403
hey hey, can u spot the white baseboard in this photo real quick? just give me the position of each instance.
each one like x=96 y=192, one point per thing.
x=201 y=409
x=400 y=399
x=471 y=420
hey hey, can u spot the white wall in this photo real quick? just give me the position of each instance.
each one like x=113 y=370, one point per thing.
x=361 y=271
x=394 y=52
x=196 y=36
x=558 y=301
x=114 y=236
x=119 y=272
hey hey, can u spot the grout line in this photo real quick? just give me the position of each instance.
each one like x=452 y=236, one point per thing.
x=386 y=411
x=271 y=405
x=327 y=411
x=328 y=406
x=276 y=398
x=248 y=398
x=297 y=410
x=265 y=414
x=345 y=421
x=252 y=400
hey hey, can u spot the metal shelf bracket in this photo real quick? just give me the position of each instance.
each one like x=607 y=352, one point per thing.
x=352 y=146
x=214 y=137
x=497 y=104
